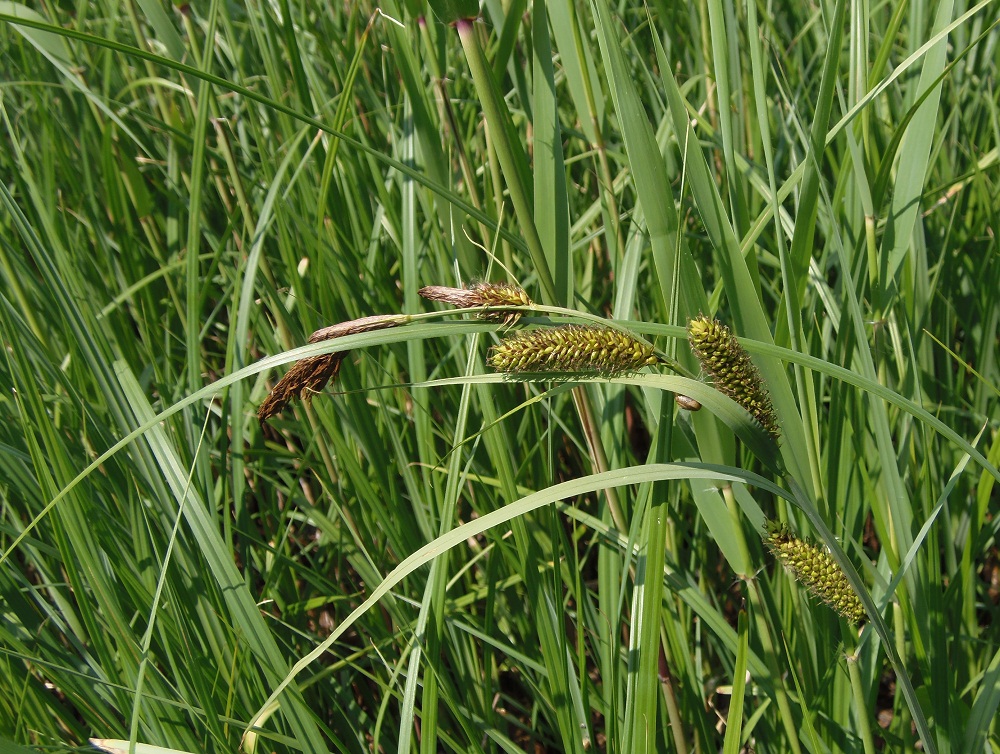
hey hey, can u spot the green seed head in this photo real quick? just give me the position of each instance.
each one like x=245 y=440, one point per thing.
x=571 y=348
x=816 y=569
x=734 y=374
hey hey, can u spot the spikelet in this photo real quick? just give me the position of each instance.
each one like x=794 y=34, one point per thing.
x=360 y=325
x=732 y=371
x=308 y=376
x=311 y=375
x=571 y=348
x=483 y=294
x=816 y=569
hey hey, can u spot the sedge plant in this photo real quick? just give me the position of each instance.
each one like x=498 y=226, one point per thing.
x=596 y=291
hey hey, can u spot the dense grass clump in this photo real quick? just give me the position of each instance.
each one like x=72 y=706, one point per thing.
x=220 y=533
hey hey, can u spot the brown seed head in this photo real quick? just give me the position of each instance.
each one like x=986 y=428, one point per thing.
x=308 y=376
x=482 y=294
x=355 y=326
x=311 y=375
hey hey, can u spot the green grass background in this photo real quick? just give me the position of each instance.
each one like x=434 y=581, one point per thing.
x=427 y=557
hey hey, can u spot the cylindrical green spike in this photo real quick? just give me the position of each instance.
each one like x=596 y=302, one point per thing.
x=816 y=569
x=733 y=373
x=571 y=348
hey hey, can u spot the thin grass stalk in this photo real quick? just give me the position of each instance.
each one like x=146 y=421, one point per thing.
x=510 y=160
x=549 y=633
x=193 y=242
x=279 y=107
x=430 y=620
x=645 y=672
x=861 y=711
x=444 y=98
x=723 y=65
x=434 y=593
x=677 y=723
x=789 y=720
x=243 y=609
x=606 y=182
x=734 y=720
x=888 y=640
x=803 y=386
x=510 y=157
x=339 y=119
x=551 y=197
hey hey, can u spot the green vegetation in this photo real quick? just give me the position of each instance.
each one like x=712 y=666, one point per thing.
x=430 y=556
